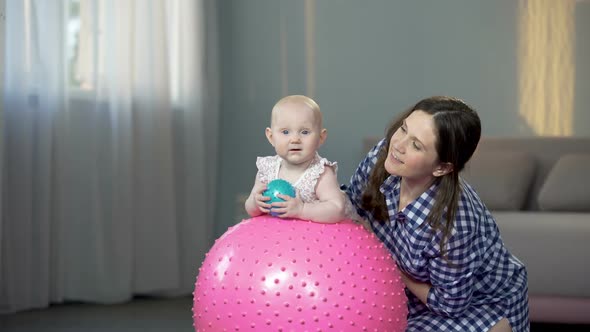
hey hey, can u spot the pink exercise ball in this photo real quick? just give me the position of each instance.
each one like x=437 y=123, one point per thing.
x=272 y=274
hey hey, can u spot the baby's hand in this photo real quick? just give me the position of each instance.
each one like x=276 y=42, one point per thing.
x=290 y=208
x=259 y=199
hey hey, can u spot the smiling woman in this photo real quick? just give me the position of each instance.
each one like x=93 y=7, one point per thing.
x=436 y=227
x=413 y=154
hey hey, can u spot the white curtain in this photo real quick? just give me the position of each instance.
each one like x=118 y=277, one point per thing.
x=107 y=184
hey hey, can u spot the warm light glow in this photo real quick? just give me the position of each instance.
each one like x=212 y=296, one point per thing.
x=546 y=66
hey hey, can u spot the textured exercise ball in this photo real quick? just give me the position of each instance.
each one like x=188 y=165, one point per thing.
x=276 y=187
x=272 y=274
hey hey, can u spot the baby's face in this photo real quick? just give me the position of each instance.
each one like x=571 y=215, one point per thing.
x=295 y=132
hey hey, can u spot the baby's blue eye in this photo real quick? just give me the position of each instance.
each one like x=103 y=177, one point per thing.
x=285 y=132
x=305 y=132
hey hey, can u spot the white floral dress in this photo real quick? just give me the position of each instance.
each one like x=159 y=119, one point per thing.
x=268 y=170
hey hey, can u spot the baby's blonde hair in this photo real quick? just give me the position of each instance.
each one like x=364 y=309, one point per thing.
x=299 y=99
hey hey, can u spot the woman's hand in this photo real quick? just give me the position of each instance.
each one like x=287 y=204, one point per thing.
x=420 y=289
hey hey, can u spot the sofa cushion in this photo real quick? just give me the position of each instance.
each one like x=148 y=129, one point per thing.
x=567 y=187
x=501 y=178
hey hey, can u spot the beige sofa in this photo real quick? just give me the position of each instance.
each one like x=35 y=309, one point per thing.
x=538 y=189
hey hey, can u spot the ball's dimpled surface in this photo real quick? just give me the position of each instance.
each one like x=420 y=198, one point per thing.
x=278 y=186
x=272 y=274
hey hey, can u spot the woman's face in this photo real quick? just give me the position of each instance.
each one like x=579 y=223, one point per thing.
x=412 y=149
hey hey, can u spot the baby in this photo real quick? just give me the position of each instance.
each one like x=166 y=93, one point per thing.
x=296 y=133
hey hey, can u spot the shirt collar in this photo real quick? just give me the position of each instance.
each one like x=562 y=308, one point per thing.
x=417 y=211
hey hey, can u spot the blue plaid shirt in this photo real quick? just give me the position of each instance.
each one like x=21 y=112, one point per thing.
x=484 y=283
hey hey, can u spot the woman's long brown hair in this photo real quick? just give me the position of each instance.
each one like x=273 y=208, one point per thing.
x=458 y=132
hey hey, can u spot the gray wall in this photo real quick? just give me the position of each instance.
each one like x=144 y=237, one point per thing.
x=369 y=61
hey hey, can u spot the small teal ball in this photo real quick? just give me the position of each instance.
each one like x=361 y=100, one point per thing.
x=275 y=187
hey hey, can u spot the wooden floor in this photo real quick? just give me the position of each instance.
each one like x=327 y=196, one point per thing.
x=142 y=314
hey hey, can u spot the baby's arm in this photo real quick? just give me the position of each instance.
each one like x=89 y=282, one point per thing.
x=256 y=203
x=329 y=209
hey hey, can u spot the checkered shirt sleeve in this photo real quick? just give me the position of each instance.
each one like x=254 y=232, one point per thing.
x=359 y=179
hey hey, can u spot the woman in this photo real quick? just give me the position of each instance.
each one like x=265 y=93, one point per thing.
x=458 y=274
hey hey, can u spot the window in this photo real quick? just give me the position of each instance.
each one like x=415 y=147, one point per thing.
x=80 y=43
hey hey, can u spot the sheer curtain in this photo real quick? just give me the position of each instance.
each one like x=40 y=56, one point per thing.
x=109 y=153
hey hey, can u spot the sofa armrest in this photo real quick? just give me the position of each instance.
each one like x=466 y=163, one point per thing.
x=554 y=247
